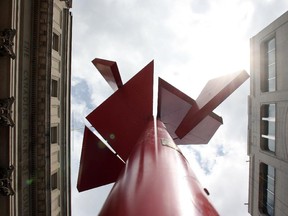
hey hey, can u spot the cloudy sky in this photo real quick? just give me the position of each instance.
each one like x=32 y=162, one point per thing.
x=191 y=41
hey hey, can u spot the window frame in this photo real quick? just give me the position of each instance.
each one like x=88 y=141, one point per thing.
x=266 y=188
x=54 y=181
x=268 y=127
x=268 y=82
x=56 y=42
x=54 y=134
x=54 y=91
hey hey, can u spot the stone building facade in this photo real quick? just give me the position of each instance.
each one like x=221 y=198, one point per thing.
x=35 y=71
x=268 y=120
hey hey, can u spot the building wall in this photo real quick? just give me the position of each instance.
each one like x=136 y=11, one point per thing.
x=271 y=151
x=60 y=113
x=6 y=74
x=32 y=146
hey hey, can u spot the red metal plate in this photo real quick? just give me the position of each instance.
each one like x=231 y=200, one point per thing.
x=173 y=105
x=214 y=93
x=98 y=165
x=109 y=70
x=202 y=132
x=121 y=118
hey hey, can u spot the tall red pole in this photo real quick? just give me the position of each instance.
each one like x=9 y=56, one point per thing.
x=157 y=180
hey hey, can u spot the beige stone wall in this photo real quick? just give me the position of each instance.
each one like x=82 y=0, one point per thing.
x=279 y=160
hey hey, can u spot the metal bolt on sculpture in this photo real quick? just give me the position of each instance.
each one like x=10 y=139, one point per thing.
x=152 y=177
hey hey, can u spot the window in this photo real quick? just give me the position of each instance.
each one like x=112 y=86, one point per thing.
x=56 y=42
x=54 y=88
x=268 y=127
x=54 y=134
x=269 y=76
x=267 y=189
x=54 y=181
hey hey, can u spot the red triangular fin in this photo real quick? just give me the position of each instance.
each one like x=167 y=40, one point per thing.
x=98 y=165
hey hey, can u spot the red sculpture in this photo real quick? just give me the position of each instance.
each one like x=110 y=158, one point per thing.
x=151 y=175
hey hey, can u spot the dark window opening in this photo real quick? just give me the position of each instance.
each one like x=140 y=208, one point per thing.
x=56 y=42
x=54 y=134
x=54 y=88
x=54 y=181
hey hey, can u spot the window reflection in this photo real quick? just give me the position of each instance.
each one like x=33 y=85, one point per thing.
x=268 y=83
x=267 y=189
x=268 y=130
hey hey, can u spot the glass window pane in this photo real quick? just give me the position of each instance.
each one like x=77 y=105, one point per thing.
x=268 y=127
x=55 y=42
x=54 y=181
x=271 y=44
x=271 y=71
x=54 y=88
x=271 y=57
x=270 y=65
x=270 y=199
x=271 y=145
x=271 y=110
x=271 y=85
x=270 y=186
x=271 y=171
x=270 y=211
x=267 y=189
x=271 y=128
x=54 y=134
